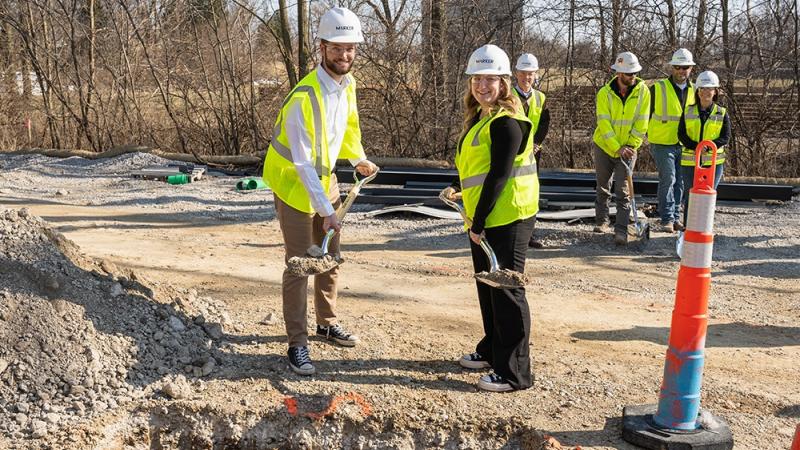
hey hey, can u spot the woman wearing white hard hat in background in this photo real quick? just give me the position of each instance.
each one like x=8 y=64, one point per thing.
x=705 y=120
x=534 y=106
x=500 y=191
x=299 y=168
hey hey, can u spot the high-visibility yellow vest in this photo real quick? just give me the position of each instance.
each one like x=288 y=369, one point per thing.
x=279 y=170
x=709 y=130
x=619 y=124
x=519 y=199
x=535 y=107
x=667 y=112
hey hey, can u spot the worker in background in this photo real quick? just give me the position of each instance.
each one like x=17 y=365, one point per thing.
x=533 y=104
x=623 y=107
x=703 y=120
x=500 y=190
x=670 y=97
x=299 y=167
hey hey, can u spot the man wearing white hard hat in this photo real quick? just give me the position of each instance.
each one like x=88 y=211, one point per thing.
x=623 y=110
x=704 y=120
x=670 y=98
x=500 y=191
x=533 y=103
x=299 y=168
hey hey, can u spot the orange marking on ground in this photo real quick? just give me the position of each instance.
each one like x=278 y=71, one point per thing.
x=291 y=405
x=366 y=409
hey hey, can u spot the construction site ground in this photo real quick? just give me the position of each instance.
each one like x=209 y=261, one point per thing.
x=193 y=254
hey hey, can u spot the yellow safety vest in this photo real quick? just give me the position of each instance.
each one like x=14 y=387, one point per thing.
x=535 y=107
x=619 y=124
x=279 y=170
x=709 y=130
x=667 y=112
x=519 y=198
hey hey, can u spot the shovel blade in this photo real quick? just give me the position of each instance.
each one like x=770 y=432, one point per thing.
x=502 y=279
x=310 y=265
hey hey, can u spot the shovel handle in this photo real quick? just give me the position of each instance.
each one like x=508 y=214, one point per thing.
x=346 y=204
x=351 y=196
x=327 y=240
x=494 y=267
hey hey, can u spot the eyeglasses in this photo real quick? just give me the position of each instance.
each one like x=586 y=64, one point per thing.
x=489 y=79
x=340 y=49
x=629 y=74
x=681 y=67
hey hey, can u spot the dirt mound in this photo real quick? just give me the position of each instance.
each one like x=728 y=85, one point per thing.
x=79 y=336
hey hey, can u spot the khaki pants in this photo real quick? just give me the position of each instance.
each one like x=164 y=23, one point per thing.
x=300 y=230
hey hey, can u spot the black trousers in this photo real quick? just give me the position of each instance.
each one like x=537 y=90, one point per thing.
x=505 y=313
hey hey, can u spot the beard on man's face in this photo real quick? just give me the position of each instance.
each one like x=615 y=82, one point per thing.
x=627 y=81
x=338 y=67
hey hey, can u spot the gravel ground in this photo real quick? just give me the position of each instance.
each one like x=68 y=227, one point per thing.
x=76 y=373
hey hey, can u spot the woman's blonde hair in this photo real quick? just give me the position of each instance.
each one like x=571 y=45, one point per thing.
x=506 y=100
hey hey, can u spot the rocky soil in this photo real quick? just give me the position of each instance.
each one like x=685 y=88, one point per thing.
x=136 y=314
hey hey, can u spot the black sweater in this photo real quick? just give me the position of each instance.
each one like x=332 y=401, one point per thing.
x=509 y=137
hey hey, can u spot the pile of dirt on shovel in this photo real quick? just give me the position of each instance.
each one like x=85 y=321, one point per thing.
x=79 y=337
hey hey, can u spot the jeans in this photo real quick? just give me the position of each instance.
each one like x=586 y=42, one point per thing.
x=687 y=173
x=670 y=184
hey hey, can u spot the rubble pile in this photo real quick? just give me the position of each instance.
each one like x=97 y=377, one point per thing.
x=79 y=337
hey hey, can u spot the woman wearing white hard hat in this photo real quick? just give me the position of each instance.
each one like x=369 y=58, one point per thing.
x=500 y=191
x=705 y=120
x=298 y=167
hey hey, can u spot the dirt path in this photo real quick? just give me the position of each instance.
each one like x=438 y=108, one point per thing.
x=600 y=324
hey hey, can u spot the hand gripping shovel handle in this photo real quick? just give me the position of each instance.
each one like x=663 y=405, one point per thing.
x=642 y=231
x=494 y=267
x=346 y=204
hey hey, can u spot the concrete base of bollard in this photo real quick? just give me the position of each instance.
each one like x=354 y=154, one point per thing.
x=639 y=429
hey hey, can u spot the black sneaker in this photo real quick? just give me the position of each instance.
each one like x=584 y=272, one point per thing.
x=300 y=361
x=474 y=361
x=494 y=383
x=337 y=334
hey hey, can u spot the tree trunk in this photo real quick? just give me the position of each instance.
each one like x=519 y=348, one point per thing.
x=303 y=53
x=672 y=38
x=699 y=36
x=286 y=42
x=617 y=23
x=604 y=53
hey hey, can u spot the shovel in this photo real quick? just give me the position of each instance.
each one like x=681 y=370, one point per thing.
x=317 y=259
x=642 y=229
x=495 y=277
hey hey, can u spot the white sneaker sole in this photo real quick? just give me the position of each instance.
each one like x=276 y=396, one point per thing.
x=475 y=365
x=342 y=342
x=494 y=387
x=300 y=371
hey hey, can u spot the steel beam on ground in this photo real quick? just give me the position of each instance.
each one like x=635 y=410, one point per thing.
x=440 y=178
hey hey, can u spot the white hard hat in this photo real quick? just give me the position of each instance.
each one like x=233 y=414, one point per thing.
x=626 y=62
x=527 y=62
x=488 y=60
x=340 y=25
x=682 y=57
x=707 y=79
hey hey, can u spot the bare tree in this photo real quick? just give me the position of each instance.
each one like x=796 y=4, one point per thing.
x=303 y=51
